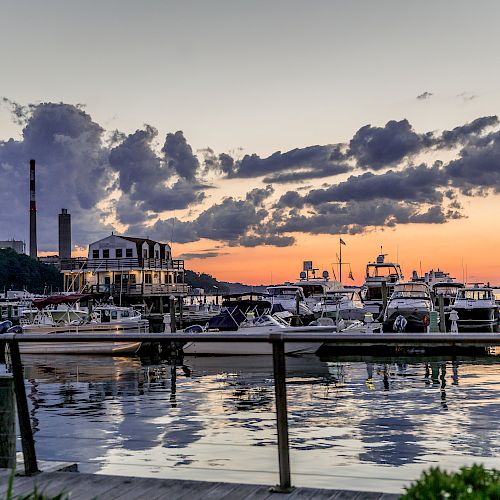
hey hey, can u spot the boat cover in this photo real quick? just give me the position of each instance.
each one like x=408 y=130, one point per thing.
x=228 y=320
x=53 y=300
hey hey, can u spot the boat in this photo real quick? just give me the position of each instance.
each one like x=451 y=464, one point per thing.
x=379 y=274
x=411 y=301
x=342 y=303
x=447 y=292
x=476 y=307
x=315 y=288
x=104 y=318
x=288 y=296
x=264 y=324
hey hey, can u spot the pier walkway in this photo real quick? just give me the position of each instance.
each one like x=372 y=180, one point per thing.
x=89 y=486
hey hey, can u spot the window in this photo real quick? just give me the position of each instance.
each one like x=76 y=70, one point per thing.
x=95 y=254
x=128 y=252
x=119 y=253
x=145 y=253
x=114 y=314
x=157 y=254
x=147 y=279
x=105 y=253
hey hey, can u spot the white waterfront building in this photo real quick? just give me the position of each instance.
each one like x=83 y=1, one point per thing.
x=125 y=266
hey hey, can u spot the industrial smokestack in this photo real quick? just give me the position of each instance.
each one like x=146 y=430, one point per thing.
x=33 y=245
x=64 y=234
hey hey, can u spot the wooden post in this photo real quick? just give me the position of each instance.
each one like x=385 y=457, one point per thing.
x=29 y=453
x=7 y=423
x=442 y=317
x=279 y=368
x=173 y=323
x=297 y=303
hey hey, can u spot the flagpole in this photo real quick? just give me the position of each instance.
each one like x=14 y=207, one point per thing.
x=340 y=259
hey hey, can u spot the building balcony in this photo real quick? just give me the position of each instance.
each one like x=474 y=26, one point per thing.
x=139 y=289
x=123 y=264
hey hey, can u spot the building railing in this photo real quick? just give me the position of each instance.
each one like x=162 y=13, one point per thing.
x=138 y=289
x=278 y=340
x=123 y=264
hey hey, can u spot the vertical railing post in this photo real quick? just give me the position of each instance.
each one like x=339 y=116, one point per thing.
x=279 y=368
x=28 y=444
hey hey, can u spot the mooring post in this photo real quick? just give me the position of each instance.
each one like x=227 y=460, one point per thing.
x=384 y=297
x=173 y=322
x=442 y=317
x=29 y=454
x=279 y=367
x=7 y=423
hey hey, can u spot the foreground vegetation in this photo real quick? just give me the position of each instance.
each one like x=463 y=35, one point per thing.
x=474 y=482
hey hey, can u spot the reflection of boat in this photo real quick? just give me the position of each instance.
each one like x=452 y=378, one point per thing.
x=265 y=324
x=413 y=302
x=476 y=307
x=378 y=273
x=344 y=303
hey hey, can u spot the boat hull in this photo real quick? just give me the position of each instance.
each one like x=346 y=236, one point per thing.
x=476 y=317
x=246 y=348
x=104 y=348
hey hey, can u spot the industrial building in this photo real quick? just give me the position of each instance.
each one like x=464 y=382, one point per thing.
x=17 y=245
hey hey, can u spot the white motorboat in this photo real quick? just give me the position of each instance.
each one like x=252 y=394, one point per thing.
x=104 y=318
x=447 y=292
x=316 y=288
x=413 y=302
x=476 y=307
x=265 y=324
x=379 y=273
x=343 y=303
x=286 y=296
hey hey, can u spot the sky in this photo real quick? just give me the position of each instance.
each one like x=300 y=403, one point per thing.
x=252 y=135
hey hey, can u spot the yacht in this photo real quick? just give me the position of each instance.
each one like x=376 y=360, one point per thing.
x=413 y=302
x=316 y=288
x=286 y=296
x=476 y=307
x=448 y=291
x=343 y=303
x=378 y=273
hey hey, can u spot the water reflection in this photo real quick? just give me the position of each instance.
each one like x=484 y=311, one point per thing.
x=218 y=413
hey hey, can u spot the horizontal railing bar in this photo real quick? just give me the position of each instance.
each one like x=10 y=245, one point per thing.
x=327 y=334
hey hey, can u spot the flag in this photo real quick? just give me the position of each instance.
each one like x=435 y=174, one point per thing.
x=351 y=276
x=342 y=242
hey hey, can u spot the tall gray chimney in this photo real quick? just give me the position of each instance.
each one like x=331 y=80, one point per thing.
x=33 y=245
x=64 y=234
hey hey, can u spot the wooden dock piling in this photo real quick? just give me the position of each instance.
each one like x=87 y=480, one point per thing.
x=7 y=423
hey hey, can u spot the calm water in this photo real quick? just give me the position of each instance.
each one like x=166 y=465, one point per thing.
x=354 y=423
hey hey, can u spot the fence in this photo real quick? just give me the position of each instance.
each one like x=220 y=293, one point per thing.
x=277 y=340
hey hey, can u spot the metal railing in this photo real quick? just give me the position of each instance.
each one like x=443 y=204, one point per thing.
x=139 y=289
x=278 y=340
x=121 y=264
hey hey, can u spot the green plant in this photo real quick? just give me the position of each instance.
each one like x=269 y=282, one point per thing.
x=33 y=495
x=474 y=482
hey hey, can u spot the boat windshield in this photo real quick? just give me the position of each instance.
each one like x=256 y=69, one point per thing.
x=382 y=271
x=410 y=294
x=478 y=294
x=339 y=296
x=282 y=292
x=310 y=290
x=447 y=291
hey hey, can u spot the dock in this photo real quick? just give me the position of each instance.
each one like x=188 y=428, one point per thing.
x=86 y=486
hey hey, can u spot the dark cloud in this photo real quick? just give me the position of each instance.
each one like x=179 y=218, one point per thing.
x=257 y=196
x=297 y=164
x=424 y=95
x=418 y=184
x=356 y=216
x=380 y=147
x=72 y=172
x=466 y=133
x=143 y=176
x=179 y=156
x=200 y=255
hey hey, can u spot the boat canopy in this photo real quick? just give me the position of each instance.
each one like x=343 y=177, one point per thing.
x=475 y=294
x=54 y=300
